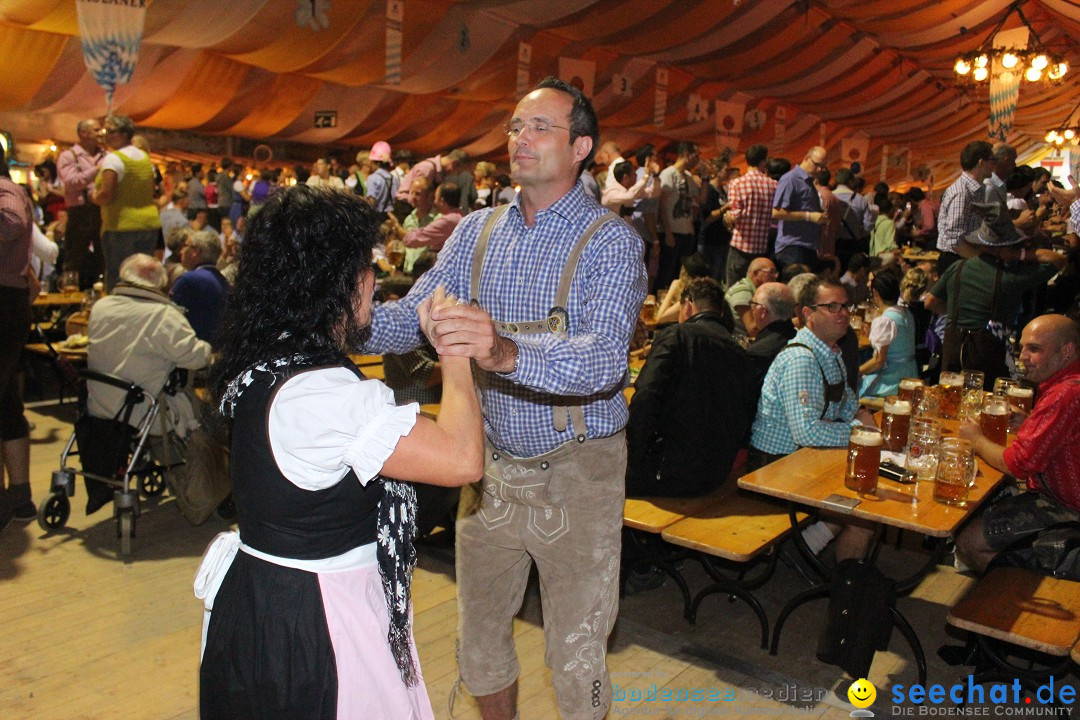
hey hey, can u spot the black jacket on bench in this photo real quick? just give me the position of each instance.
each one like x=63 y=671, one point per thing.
x=694 y=402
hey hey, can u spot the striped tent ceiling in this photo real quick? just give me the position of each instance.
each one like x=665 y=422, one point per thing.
x=834 y=69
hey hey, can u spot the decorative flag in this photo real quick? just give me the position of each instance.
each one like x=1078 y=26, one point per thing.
x=524 y=61
x=855 y=149
x=822 y=134
x=884 y=163
x=660 y=103
x=395 y=16
x=111 y=35
x=697 y=108
x=579 y=73
x=622 y=85
x=1005 y=84
x=780 y=125
x=313 y=14
x=729 y=123
x=755 y=118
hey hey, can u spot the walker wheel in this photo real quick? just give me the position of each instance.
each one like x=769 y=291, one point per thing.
x=53 y=513
x=151 y=482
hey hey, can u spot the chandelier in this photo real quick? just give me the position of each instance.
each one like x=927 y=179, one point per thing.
x=1065 y=133
x=1034 y=63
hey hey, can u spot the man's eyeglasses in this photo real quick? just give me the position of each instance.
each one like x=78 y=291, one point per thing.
x=756 y=304
x=835 y=307
x=514 y=128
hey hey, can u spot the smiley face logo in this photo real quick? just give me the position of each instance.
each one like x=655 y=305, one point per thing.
x=861 y=694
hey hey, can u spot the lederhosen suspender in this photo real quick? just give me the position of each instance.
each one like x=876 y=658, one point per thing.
x=829 y=390
x=557 y=320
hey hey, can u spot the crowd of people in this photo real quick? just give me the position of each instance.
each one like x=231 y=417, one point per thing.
x=756 y=277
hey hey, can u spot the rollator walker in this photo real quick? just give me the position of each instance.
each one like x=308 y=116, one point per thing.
x=118 y=454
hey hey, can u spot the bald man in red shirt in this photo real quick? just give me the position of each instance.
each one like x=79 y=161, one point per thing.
x=1046 y=452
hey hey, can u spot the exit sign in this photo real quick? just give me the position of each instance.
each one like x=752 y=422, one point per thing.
x=326 y=118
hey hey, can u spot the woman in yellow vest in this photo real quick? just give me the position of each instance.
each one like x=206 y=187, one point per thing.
x=125 y=191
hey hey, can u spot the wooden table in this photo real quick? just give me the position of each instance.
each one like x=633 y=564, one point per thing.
x=814 y=477
x=917 y=256
x=74 y=354
x=59 y=299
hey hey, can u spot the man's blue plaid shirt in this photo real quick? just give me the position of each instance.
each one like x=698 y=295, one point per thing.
x=518 y=284
x=792 y=397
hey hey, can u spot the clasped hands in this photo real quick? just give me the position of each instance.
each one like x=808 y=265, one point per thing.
x=455 y=328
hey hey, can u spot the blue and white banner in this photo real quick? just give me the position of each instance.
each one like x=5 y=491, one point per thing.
x=111 y=34
x=1005 y=84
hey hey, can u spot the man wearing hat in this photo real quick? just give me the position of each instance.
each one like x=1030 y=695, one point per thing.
x=981 y=296
x=381 y=185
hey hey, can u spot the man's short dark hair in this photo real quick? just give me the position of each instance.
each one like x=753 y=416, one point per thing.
x=1021 y=176
x=622 y=170
x=757 y=154
x=459 y=156
x=583 y=122
x=809 y=294
x=644 y=152
x=706 y=293
x=776 y=167
x=859 y=261
x=686 y=147
x=823 y=176
x=451 y=193
x=843 y=176
x=975 y=152
x=884 y=204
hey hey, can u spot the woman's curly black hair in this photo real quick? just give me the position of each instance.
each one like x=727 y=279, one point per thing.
x=296 y=281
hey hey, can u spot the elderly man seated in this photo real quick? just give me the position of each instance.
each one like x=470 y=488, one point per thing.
x=138 y=334
x=202 y=290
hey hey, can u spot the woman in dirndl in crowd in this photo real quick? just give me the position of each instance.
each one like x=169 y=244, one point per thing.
x=308 y=611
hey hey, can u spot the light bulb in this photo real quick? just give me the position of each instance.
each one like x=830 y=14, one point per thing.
x=1008 y=60
x=980 y=74
x=1069 y=134
x=1051 y=136
x=981 y=61
x=1058 y=71
x=962 y=67
x=52 y=148
x=1033 y=74
x=1039 y=62
x=1059 y=140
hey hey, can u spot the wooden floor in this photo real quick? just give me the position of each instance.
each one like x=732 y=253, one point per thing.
x=88 y=636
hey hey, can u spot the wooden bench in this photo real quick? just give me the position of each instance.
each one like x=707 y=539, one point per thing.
x=739 y=528
x=647 y=517
x=1024 y=609
x=726 y=524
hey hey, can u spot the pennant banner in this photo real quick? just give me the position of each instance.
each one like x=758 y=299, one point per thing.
x=729 y=123
x=780 y=126
x=579 y=73
x=523 y=64
x=1005 y=84
x=395 y=16
x=822 y=134
x=111 y=35
x=660 y=102
x=854 y=149
x=884 y=163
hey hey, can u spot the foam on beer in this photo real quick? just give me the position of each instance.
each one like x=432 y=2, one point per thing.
x=866 y=438
x=995 y=409
x=910 y=384
x=951 y=379
x=899 y=407
x=1019 y=391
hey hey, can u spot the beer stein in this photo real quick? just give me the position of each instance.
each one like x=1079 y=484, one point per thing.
x=895 y=423
x=922 y=448
x=864 y=458
x=994 y=419
x=952 y=391
x=954 y=475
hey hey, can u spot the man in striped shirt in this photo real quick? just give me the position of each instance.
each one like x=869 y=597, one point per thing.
x=751 y=197
x=551 y=374
x=957 y=218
